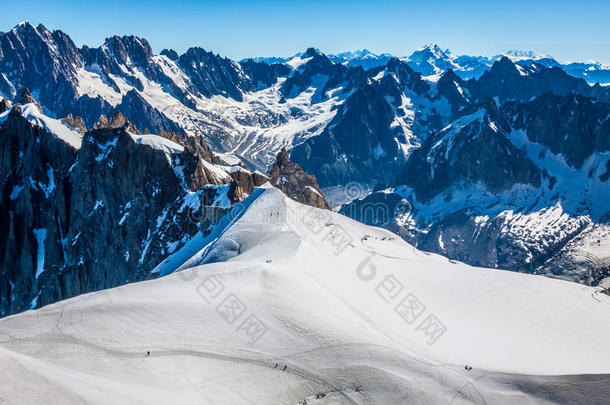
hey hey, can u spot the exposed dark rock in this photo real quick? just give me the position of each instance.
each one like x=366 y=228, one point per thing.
x=295 y=183
x=212 y=74
x=143 y=116
x=320 y=66
x=473 y=150
x=572 y=126
x=83 y=220
x=28 y=98
x=102 y=122
x=509 y=81
x=362 y=142
x=262 y=74
x=170 y=53
x=4 y=105
x=75 y=122
x=117 y=120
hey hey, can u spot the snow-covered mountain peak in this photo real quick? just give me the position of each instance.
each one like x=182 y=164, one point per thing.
x=517 y=55
x=351 y=55
x=311 y=52
x=430 y=50
x=22 y=24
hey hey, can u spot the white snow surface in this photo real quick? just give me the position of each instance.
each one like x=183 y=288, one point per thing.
x=158 y=142
x=319 y=308
x=64 y=132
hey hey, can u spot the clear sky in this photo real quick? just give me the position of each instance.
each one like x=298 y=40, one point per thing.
x=567 y=30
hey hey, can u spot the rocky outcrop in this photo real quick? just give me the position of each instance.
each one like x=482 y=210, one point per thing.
x=117 y=120
x=211 y=74
x=75 y=122
x=80 y=220
x=28 y=98
x=170 y=53
x=295 y=183
x=4 y=105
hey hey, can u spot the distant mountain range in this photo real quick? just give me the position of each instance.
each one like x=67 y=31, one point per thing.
x=500 y=162
x=432 y=60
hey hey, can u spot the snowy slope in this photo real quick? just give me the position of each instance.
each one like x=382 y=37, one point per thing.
x=308 y=306
x=64 y=132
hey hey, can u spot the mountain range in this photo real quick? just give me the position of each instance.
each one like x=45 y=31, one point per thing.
x=499 y=162
x=433 y=60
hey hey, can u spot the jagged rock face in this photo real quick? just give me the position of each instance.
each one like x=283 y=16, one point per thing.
x=572 y=126
x=102 y=122
x=246 y=180
x=128 y=51
x=75 y=122
x=262 y=74
x=295 y=183
x=170 y=53
x=194 y=144
x=32 y=55
x=5 y=105
x=319 y=68
x=107 y=211
x=27 y=98
x=93 y=218
x=35 y=206
x=455 y=91
x=212 y=74
x=473 y=150
x=117 y=121
x=347 y=151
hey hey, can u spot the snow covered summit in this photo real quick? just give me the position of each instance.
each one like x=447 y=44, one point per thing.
x=286 y=303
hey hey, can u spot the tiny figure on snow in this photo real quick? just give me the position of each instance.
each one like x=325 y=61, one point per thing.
x=275 y=365
x=467 y=367
x=148 y=353
x=285 y=367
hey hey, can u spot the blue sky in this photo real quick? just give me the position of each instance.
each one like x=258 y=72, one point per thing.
x=237 y=29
